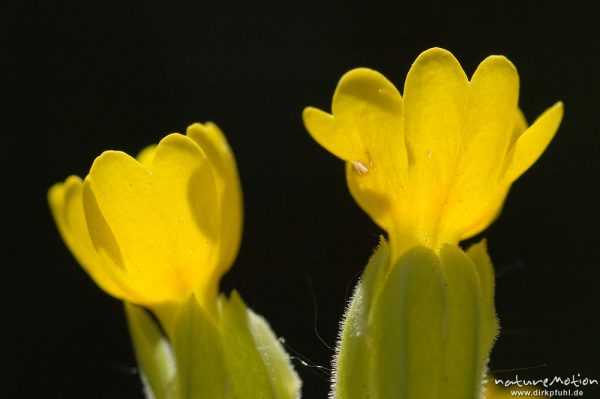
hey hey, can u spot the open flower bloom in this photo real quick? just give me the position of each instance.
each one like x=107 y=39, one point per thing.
x=432 y=166
x=159 y=231
x=158 y=228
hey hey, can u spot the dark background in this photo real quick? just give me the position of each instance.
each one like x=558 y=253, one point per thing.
x=81 y=78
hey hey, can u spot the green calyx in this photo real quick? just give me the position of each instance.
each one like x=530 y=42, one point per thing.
x=421 y=328
x=233 y=355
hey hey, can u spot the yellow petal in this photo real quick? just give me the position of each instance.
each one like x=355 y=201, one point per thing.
x=520 y=125
x=532 y=143
x=146 y=156
x=66 y=205
x=493 y=98
x=157 y=224
x=458 y=133
x=475 y=195
x=366 y=129
x=214 y=144
x=322 y=128
x=366 y=114
x=435 y=96
x=486 y=211
x=371 y=194
x=488 y=123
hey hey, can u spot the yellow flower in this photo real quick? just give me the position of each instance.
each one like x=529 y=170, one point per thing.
x=157 y=229
x=434 y=166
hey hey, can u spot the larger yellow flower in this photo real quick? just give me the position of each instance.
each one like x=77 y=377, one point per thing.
x=432 y=167
x=158 y=228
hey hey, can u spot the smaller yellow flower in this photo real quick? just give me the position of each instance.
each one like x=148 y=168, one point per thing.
x=158 y=228
x=159 y=231
x=434 y=166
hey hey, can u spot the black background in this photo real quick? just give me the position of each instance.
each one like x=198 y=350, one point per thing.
x=81 y=78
